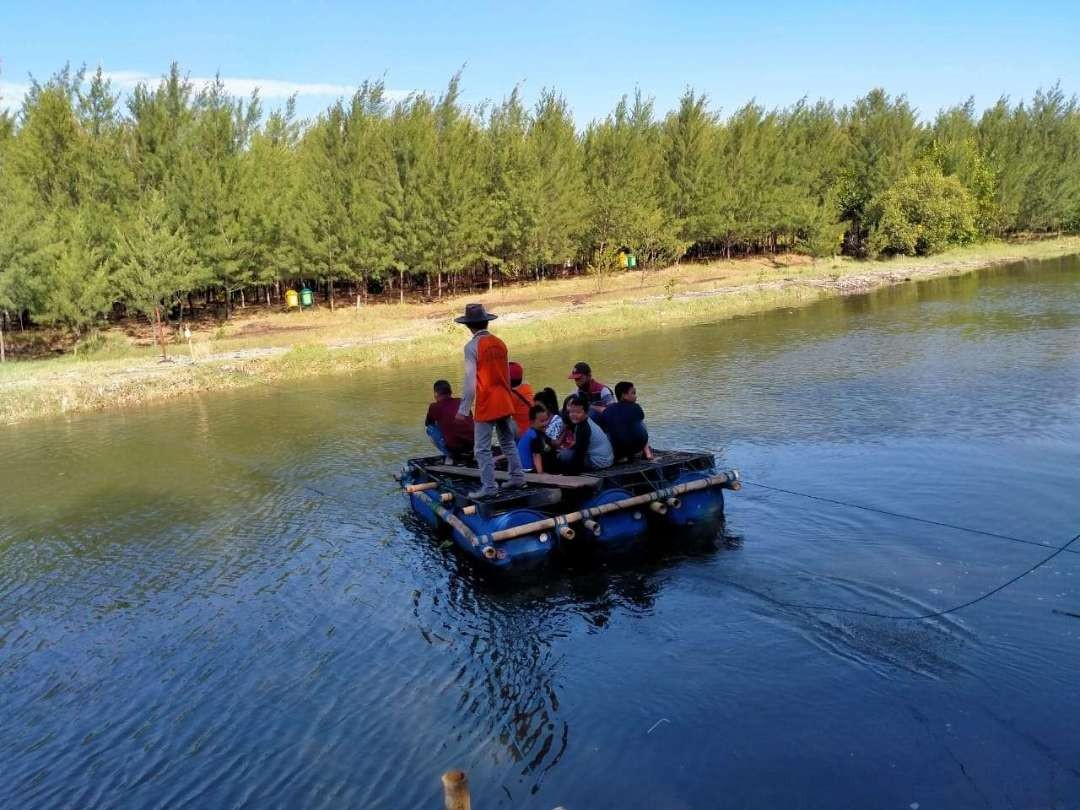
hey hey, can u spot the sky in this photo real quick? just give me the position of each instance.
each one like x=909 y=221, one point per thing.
x=937 y=53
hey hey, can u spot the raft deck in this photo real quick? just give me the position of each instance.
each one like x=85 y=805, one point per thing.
x=606 y=510
x=545 y=490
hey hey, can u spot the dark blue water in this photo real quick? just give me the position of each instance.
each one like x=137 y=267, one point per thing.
x=222 y=602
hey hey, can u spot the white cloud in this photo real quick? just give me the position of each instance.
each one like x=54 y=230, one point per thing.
x=238 y=86
x=11 y=93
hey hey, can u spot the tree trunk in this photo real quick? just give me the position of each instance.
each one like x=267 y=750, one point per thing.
x=330 y=285
x=243 y=301
x=439 y=283
x=266 y=290
x=277 y=290
x=160 y=332
x=3 y=349
x=491 y=279
x=427 y=278
x=401 y=290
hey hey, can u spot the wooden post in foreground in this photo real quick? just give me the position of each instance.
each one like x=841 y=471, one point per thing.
x=455 y=786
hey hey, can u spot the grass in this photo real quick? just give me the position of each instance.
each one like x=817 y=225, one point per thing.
x=114 y=369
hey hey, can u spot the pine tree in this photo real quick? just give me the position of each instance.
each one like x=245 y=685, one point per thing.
x=460 y=219
x=270 y=214
x=559 y=190
x=158 y=265
x=692 y=182
x=623 y=171
x=881 y=136
x=512 y=196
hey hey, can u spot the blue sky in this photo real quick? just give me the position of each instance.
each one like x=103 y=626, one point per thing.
x=937 y=53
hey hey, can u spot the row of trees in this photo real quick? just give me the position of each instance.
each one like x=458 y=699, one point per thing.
x=183 y=194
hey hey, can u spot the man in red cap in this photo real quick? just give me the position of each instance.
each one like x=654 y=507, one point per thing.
x=523 y=397
x=487 y=394
x=598 y=395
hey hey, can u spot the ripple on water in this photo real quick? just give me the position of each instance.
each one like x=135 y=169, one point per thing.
x=224 y=602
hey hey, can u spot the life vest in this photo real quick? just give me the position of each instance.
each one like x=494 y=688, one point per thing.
x=494 y=399
x=523 y=401
x=595 y=392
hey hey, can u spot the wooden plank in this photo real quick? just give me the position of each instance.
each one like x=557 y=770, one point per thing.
x=544 y=479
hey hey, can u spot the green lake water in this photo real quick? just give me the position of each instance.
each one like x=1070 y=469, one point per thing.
x=224 y=602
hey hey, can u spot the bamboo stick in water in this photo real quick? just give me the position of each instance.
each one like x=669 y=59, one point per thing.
x=456 y=791
x=614 y=506
x=450 y=518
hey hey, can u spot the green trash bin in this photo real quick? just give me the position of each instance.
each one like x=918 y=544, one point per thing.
x=307 y=297
x=631 y=261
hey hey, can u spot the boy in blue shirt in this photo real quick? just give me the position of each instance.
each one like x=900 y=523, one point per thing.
x=624 y=423
x=531 y=445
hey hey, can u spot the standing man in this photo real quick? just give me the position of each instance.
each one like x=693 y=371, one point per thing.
x=487 y=393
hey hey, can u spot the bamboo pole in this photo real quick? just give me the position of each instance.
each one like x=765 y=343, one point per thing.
x=450 y=518
x=455 y=786
x=614 y=506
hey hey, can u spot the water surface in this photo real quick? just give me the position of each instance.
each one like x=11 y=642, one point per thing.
x=222 y=602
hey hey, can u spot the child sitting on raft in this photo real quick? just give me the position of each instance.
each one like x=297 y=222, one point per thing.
x=532 y=446
x=592 y=449
x=624 y=423
x=555 y=426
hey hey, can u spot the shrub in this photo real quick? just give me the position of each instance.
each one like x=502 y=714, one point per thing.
x=926 y=212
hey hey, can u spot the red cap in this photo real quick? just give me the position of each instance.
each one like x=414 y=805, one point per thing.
x=516 y=371
x=579 y=370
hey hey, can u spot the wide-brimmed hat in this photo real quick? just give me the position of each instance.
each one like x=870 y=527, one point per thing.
x=475 y=313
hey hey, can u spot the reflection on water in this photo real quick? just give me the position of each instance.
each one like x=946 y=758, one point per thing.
x=223 y=602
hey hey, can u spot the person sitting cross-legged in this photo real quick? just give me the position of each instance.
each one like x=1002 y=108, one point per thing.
x=624 y=423
x=451 y=436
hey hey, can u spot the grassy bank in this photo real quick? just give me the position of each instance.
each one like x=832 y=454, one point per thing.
x=261 y=346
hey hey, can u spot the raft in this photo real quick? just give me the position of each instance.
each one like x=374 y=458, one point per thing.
x=606 y=511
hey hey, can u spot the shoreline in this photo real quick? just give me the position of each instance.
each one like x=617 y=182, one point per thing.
x=267 y=347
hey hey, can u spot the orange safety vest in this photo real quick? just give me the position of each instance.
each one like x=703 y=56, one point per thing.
x=523 y=401
x=494 y=399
